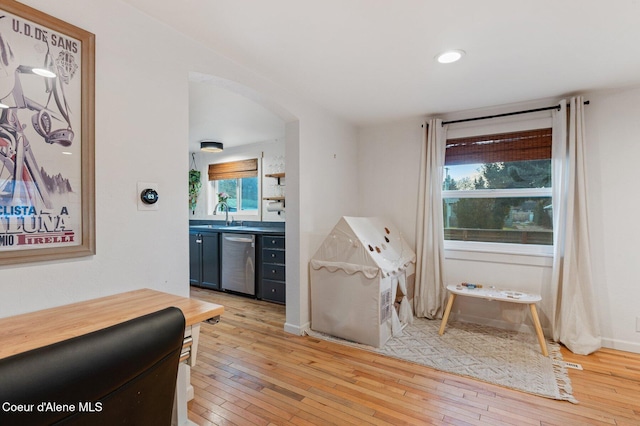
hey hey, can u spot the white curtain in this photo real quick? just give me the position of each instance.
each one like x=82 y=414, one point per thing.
x=430 y=292
x=573 y=317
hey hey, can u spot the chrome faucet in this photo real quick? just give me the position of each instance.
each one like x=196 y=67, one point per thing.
x=226 y=211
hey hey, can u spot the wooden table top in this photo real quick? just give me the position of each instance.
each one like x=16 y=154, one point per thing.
x=32 y=330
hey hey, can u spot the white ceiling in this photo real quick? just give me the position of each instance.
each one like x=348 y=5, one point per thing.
x=373 y=60
x=222 y=115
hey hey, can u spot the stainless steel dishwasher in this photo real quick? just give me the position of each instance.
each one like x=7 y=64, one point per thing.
x=238 y=263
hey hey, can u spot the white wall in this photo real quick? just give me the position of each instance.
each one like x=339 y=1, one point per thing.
x=326 y=178
x=613 y=150
x=613 y=131
x=389 y=163
x=140 y=136
x=142 y=71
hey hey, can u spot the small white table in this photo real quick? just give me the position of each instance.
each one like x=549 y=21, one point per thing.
x=500 y=295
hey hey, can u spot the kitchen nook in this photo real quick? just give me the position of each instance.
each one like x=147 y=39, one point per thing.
x=237 y=200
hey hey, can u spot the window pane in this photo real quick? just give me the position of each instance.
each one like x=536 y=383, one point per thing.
x=505 y=220
x=515 y=174
x=249 y=193
x=229 y=187
x=242 y=194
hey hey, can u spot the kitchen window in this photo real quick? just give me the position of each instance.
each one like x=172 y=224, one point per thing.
x=497 y=189
x=239 y=181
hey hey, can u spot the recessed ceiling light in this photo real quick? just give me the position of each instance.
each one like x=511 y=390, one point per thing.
x=450 y=56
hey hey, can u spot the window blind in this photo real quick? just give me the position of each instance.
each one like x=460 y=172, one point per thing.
x=234 y=170
x=502 y=147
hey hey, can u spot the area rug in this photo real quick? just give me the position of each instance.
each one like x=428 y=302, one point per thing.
x=502 y=357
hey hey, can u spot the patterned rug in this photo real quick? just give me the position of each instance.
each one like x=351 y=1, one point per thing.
x=502 y=357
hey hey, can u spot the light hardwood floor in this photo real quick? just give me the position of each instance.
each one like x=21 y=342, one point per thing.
x=250 y=372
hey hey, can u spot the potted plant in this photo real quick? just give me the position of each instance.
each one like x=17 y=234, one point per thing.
x=194 y=189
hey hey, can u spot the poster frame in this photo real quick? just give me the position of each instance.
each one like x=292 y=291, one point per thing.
x=85 y=137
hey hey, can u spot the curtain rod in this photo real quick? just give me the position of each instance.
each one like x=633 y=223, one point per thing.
x=506 y=114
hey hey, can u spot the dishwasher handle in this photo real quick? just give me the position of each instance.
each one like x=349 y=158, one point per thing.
x=239 y=239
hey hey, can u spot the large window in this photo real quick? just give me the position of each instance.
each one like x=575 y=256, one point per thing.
x=238 y=181
x=497 y=188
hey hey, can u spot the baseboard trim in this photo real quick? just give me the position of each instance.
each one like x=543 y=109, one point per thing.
x=298 y=330
x=621 y=345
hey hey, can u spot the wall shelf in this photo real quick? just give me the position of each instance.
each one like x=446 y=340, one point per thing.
x=275 y=175
x=275 y=198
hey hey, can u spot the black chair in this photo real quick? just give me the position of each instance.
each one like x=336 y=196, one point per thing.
x=121 y=375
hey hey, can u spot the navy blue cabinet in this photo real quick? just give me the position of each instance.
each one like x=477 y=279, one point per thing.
x=204 y=259
x=272 y=271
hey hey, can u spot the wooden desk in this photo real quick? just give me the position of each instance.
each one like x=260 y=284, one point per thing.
x=503 y=296
x=24 y=332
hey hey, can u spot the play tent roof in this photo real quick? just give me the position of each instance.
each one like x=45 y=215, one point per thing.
x=371 y=245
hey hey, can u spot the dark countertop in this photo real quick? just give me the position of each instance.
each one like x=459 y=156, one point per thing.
x=239 y=229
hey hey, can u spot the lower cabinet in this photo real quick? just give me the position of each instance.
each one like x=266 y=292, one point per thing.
x=205 y=268
x=273 y=291
x=204 y=259
x=272 y=272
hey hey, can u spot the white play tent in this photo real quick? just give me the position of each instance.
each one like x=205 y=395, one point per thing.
x=356 y=275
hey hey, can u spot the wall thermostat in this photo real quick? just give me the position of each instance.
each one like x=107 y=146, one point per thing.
x=149 y=196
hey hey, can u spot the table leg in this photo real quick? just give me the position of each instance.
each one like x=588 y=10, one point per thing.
x=536 y=323
x=180 y=410
x=447 y=311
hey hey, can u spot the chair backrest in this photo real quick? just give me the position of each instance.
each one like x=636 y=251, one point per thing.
x=124 y=374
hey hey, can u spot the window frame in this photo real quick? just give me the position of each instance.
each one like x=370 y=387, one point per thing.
x=242 y=168
x=214 y=188
x=530 y=254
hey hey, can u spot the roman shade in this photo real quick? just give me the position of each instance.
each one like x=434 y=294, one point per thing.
x=234 y=170
x=502 y=147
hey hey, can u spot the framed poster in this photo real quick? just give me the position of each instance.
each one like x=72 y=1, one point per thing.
x=46 y=137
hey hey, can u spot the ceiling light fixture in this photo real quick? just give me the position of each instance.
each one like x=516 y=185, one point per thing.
x=211 y=146
x=450 y=56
